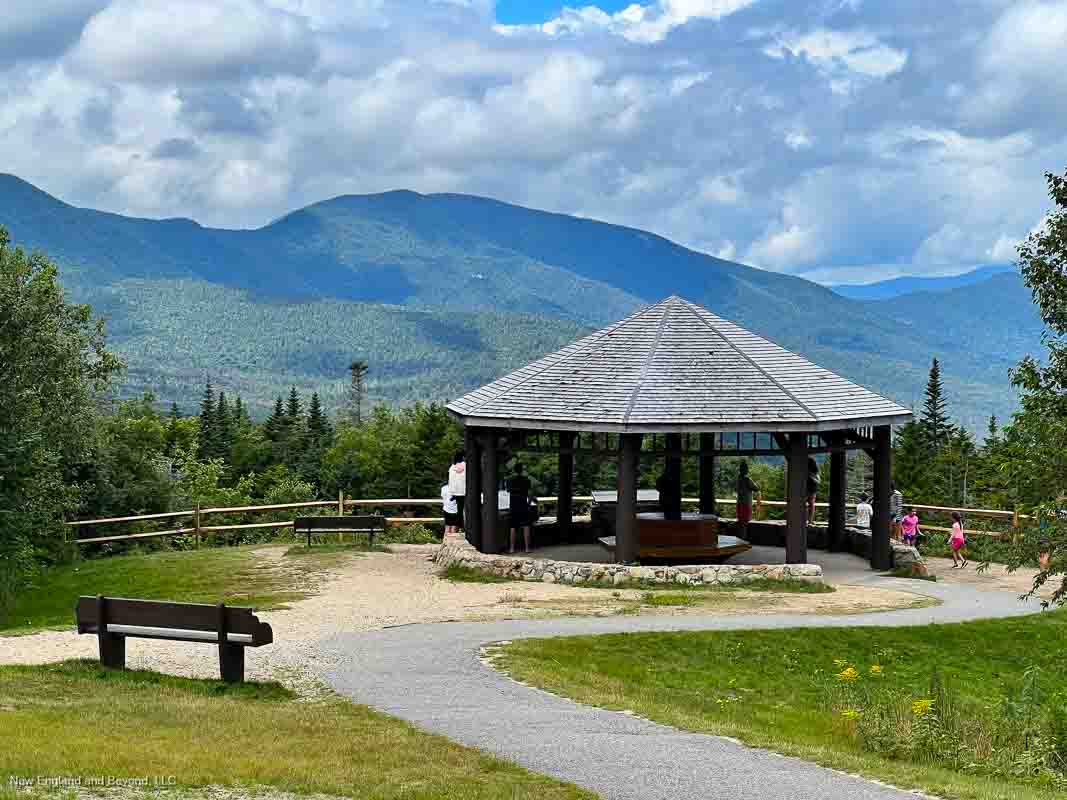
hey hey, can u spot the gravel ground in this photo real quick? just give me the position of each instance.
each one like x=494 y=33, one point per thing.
x=400 y=587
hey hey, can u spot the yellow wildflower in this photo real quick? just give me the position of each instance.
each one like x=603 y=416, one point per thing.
x=848 y=674
x=876 y=669
x=851 y=713
x=922 y=706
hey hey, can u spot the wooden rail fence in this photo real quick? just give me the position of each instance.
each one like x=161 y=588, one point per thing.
x=198 y=529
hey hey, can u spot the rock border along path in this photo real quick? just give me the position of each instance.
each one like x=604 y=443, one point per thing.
x=436 y=677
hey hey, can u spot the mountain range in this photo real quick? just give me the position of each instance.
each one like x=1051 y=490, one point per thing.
x=443 y=292
x=906 y=284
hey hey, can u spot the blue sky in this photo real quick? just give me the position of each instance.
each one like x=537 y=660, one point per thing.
x=841 y=140
x=514 y=12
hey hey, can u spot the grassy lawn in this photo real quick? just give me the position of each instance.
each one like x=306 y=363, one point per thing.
x=234 y=575
x=776 y=689
x=76 y=719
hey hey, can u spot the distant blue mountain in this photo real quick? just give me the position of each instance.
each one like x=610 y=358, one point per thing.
x=895 y=287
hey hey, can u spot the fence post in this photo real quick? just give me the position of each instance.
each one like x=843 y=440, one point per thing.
x=196 y=525
x=340 y=502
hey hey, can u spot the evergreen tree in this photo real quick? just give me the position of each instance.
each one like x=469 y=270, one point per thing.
x=171 y=445
x=356 y=392
x=936 y=427
x=224 y=427
x=240 y=416
x=293 y=406
x=913 y=469
x=318 y=427
x=276 y=421
x=992 y=435
x=208 y=428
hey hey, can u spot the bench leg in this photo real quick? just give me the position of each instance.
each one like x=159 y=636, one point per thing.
x=112 y=650
x=232 y=662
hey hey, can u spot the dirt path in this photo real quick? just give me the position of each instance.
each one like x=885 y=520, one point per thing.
x=401 y=587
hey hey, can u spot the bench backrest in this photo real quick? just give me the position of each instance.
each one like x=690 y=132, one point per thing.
x=371 y=522
x=171 y=616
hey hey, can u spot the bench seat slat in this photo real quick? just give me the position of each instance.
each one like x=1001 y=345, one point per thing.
x=178 y=634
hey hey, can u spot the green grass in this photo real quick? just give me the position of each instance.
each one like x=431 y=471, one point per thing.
x=77 y=719
x=235 y=575
x=669 y=599
x=462 y=574
x=767 y=688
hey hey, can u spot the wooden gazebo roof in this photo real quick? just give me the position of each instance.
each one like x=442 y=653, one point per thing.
x=675 y=367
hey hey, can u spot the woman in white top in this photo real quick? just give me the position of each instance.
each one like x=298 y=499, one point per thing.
x=457 y=484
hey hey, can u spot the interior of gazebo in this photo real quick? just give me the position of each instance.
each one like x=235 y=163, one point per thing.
x=674 y=384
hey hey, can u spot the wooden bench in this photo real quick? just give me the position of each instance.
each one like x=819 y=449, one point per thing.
x=114 y=619
x=370 y=525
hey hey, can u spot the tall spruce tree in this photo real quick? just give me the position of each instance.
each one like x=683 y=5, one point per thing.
x=318 y=427
x=357 y=391
x=208 y=436
x=275 y=423
x=293 y=405
x=935 y=424
x=224 y=427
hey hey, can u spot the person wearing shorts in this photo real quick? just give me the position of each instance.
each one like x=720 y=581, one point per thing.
x=457 y=483
x=745 y=489
x=450 y=509
x=519 y=507
x=909 y=528
x=957 y=541
x=896 y=509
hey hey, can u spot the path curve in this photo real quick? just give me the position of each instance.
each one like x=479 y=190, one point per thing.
x=433 y=676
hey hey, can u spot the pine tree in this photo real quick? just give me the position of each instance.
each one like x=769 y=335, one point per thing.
x=293 y=406
x=356 y=391
x=224 y=427
x=318 y=426
x=992 y=435
x=171 y=446
x=276 y=421
x=936 y=427
x=240 y=416
x=208 y=430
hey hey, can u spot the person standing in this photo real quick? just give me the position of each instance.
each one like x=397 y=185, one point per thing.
x=450 y=508
x=519 y=507
x=909 y=528
x=896 y=509
x=958 y=542
x=864 y=512
x=457 y=485
x=745 y=489
x=812 y=486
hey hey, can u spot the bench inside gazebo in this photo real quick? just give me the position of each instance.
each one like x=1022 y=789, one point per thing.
x=669 y=382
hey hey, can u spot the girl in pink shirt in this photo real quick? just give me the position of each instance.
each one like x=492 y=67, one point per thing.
x=909 y=527
x=958 y=541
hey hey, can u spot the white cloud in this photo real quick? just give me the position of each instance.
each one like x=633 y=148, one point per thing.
x=645 y=24
x=841 y=55
x=155 y=41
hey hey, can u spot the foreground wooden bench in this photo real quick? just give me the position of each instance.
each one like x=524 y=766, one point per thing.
x=369 y=525
x=114 y=619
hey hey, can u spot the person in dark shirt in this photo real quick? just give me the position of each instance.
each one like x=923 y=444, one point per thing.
x=519 y=506
x=745 y=488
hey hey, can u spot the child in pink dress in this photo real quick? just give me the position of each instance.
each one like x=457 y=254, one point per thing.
x=957 y=541
x=909 y=527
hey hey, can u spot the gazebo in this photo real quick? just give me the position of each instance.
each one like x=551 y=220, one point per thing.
x=669 y=381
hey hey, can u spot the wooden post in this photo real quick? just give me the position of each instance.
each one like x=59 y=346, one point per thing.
x=565 y=495
x=112 y=645
x=492 y=542
x=341 y=513
x=796 y=532
x=881 y=550
x=672 y=477
x=196 y=525
x=1015 y=519
x=627 y=545
x=838 y=491
x=472 y=509
x=707 y=474
x=231 y=656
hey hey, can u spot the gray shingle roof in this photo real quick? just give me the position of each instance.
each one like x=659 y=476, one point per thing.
x=675 y=367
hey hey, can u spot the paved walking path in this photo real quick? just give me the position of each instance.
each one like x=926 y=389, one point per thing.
x=432 y=676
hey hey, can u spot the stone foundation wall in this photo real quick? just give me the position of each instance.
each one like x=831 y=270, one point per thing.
x=456 y=550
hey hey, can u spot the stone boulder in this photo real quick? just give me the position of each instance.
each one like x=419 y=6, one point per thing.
x=907 y=559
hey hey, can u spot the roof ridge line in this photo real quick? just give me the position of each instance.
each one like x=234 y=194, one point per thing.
x=648 y=361
x=692 y=310
x=600 y=334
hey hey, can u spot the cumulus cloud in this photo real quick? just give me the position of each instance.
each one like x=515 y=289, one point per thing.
x=157 y=41
x=639 y=23
x=820 y=138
